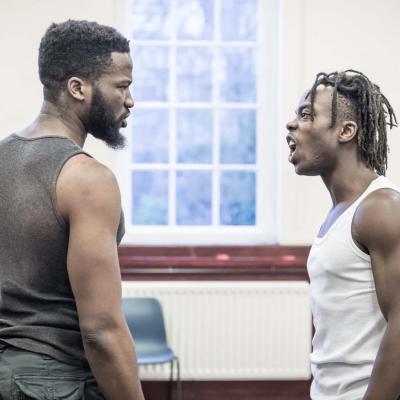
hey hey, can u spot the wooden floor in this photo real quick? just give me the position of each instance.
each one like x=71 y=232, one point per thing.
x=229 y=390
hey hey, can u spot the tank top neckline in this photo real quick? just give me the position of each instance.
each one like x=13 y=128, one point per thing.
x=319 y=239
x=39 y=137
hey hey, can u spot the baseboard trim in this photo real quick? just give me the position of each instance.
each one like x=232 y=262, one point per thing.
x=230 y=390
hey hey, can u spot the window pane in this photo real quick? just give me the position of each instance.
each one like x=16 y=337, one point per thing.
x=150 y=198
x=239 y=19
x=151 y=73
x=238 y=83
x=194 y=134
x=238 y=201
x=194 y=74
x=238 y=136
x=193 y=207
x=150 y=136
x=195 y=19
x=151 y=19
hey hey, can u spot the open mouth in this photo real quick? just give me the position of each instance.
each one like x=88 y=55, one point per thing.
x=292 y=145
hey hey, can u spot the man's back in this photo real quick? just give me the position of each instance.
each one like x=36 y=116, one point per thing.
x=37 y=307
x=61 y=224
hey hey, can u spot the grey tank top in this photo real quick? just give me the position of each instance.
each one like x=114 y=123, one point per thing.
x=37 y=307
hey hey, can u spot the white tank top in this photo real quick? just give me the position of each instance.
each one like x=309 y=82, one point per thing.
x=348 y=322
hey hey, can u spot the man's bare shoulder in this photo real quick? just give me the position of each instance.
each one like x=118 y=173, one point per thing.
x=86 y=170
x=377 y=219
x=85 y=182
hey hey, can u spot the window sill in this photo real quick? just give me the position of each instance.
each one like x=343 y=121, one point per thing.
x=214 y=263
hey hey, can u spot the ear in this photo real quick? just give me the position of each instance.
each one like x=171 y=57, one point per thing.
x=347 y=132
x=78 y=88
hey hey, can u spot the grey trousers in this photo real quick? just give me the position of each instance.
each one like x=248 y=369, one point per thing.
x=25 y=375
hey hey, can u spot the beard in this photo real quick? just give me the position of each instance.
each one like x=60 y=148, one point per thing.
x=102 y=123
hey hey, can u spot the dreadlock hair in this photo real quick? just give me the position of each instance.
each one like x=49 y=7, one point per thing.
x=356 y=97
x=76 y=48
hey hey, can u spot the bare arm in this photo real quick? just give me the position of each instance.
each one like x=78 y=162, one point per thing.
x=88 y=196
x=377 y=228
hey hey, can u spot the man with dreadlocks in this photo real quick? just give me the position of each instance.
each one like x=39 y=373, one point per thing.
x=339 y=133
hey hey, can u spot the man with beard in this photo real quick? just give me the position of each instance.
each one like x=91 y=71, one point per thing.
x=62 y=330
x=339 y=133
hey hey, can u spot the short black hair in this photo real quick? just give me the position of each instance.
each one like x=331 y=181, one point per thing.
x=76 y=48
x=356 y=97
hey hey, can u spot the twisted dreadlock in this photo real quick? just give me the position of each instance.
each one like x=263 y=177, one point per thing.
x=356 y=97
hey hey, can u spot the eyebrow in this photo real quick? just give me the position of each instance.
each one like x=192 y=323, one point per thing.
x=124 y=81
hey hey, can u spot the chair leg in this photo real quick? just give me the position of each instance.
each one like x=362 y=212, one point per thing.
x=171 y=379
x=178 y=381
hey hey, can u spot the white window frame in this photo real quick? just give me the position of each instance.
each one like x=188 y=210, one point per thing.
x=267 y=228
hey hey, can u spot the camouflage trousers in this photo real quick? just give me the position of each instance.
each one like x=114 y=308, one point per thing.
x=25 y=376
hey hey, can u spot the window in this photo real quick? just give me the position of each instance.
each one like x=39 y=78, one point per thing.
x=201 y=165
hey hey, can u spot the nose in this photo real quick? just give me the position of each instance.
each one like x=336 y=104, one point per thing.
x=129 y=102
x=292 y=125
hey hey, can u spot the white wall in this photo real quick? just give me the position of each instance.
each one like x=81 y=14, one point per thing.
x=317 y=35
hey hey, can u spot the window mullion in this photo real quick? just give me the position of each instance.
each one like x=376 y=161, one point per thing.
x=216 y=136
x=172 y=121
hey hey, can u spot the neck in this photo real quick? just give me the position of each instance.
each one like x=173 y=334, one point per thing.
x=348 y=181
x=57 y=121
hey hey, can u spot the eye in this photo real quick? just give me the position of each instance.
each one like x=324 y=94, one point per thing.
x=305 y=115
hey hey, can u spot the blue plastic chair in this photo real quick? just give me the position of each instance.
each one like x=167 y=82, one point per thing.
x=145 y=320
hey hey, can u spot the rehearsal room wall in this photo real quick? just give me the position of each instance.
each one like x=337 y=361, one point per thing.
x=316 y=35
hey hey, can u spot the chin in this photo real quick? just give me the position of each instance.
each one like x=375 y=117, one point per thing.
x=305 y=171
x=112 y=138
x=117 y=142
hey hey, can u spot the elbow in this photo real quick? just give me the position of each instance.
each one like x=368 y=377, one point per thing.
x=100 y=334
x=93 y=339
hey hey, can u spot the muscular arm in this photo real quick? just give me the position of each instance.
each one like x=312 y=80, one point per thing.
x=376 y=226
x=88 y=197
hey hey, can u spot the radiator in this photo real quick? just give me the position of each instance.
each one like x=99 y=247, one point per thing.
x=233 y=330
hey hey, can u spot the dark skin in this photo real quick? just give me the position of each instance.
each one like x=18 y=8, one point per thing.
x=383 y=245
x=88 y=197
x=332 y=154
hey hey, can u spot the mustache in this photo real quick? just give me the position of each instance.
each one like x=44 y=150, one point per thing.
x=126 y=115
